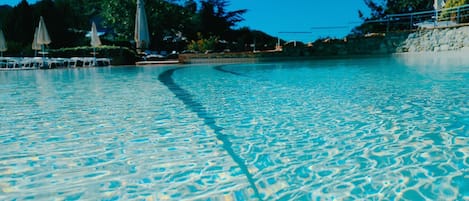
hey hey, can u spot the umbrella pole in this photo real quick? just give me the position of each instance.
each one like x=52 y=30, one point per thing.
x=43 y=57
x=94 y=56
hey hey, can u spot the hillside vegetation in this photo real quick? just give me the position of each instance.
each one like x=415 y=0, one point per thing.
x=173 y=24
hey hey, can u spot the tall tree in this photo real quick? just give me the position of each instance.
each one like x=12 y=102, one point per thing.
x=55 y=19
x=21 y=29
x=79 y=12
x=380 y=8
x=406 y=6
x=215 y=20
x=172 y=23
x=456 y=3
x=166 y=21
x=119 y=15
x=463 y=15
x=5 y=12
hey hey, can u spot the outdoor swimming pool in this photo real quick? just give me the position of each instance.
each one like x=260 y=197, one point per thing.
x=374 y=128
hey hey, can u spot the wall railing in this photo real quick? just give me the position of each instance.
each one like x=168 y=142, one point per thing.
x=425 y=19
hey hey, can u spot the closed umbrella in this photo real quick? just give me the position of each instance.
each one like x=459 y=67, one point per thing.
x=142 y=37
x=42 y=36
x=95 y=42
x=34 y=45
x=438 y=5
x=3 y=43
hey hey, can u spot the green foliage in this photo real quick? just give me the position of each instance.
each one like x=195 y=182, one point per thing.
x=380 y=8
x=16 y=48
x=168 y=20
x=61 y=17
x=203 y=45
x=406 y=6
x=16 y=30
x=119 y=15
x=78 y=13
x=173 y=24
x=244 y=37
x=215 y=20
x=455 y=3
x=376 y=8
x=4 y=12
x=453 y=16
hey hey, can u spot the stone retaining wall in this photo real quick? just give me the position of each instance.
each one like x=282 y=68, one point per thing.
x=371 y=45
x=437 y=40
x=427 y=40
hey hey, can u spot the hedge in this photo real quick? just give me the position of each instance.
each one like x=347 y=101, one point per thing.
x=118 y=55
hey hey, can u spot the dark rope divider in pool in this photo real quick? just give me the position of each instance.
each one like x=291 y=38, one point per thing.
x=221 y=69
x=199 y=109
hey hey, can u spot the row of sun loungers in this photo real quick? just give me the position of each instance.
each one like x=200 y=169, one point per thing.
x=30 y=63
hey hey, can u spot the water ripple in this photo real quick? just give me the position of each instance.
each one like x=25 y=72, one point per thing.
x=371 y=129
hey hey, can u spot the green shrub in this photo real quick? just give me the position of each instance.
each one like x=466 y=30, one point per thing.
x=203 y=44
x=118 y=55
x=452 y=15
x=455 y=3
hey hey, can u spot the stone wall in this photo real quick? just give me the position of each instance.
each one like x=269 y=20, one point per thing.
x=427 y=40
x=369 y=45
x=437 y=40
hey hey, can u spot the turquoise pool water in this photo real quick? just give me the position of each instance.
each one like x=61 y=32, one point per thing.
x=380 y=128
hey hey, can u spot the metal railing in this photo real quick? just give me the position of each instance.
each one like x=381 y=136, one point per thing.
x=425 y=19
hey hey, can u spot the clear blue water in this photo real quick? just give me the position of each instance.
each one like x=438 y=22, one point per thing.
x=380 y=128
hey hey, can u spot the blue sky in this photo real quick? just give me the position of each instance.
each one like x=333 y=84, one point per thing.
x=274 y=16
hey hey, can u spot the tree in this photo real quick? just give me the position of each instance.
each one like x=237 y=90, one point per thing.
x=407 y=6
x=463 y=16
x=120 y=16
x=377 y=9
x=385 y=7
x=21 y=29
x=456 y=3
x=5 y=11
x=215 y=20
x=79 y=12
x=203 y=44
x=165 y=18
x=381 y=8
x=172 y=23
x=168 y=21
x=58 y=21
x=243 y=37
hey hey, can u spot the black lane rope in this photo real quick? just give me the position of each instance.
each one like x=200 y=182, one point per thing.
x=201 y=111
x=221 y=69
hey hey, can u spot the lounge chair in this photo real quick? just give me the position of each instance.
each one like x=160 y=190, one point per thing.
x=3 y=63
x=88 y=62
x=103 y=62
x=76 y=62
